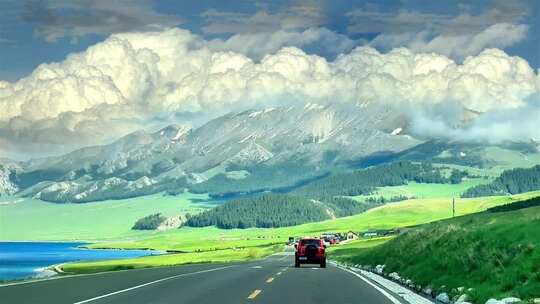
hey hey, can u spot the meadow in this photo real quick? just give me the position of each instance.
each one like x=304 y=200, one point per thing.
x=27 y=219
x=489 y=254
x=205 y=245
x=108 y=225
x=422 y=190
x=401 y=214
x=219 y=256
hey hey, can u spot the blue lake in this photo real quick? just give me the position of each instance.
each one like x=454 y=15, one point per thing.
x=20 y=260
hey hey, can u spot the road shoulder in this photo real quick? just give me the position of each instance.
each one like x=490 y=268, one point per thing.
x=392 y=290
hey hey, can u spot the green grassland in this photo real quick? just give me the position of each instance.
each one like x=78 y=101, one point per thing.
x=496 y=254
x=401 y=214
x=202 y=245
x=218 y=256
x=31 y=220
x=508 y=159
x=211 y=244
x=423 y=190
x=348 y=251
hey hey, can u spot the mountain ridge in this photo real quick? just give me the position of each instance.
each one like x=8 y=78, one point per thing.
x=241 y=152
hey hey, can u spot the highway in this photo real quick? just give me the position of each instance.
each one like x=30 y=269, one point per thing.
x=272 y=280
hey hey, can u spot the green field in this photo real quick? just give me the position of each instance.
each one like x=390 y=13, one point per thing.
x=218 y=256
x=422 y=190
x=212 y=244
x=107 y=224
x=347 y=252
x=28 y=219
x=401 y=214
x=496 y=254
x=509 y=159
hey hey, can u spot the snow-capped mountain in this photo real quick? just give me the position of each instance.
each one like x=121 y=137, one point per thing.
x=257 y=147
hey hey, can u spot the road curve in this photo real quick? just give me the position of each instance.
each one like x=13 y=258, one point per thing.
x=272 y=280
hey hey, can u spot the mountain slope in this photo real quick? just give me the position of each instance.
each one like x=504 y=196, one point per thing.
x=241 y=151
x=513 y=181
x=251 y=151
x=7 y=169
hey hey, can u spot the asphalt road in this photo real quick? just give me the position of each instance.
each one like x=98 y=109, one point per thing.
x=273 y=280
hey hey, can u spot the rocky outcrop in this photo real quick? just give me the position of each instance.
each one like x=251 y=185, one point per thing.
x=7 y=187
x=172 y=223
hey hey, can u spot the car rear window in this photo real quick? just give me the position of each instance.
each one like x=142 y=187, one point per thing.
x=310 y=242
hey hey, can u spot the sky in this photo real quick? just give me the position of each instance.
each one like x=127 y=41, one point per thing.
x=70 y=67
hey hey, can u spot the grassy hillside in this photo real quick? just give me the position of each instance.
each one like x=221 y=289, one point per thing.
x=423 y=190
x=365 y=181
x=31 y=220
x=512 y=181
x=213 y=244
x=495 y=253
x=203 y=244
x=406 y=213
x=276 y=210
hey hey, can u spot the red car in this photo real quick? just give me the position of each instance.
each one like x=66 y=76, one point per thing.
x=310 y=251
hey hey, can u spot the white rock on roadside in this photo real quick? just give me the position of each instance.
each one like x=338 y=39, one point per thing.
x=395 y=276
x=510 y=300
x=494 y=301
x=379 y=269
x=443 y=298
x=427 y=291
x=462 y=299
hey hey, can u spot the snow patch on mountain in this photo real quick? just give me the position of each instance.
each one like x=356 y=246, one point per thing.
x=257 y=113
x=181 y=132
x=322 y=127
x=252 y=154
x=82 y=191
x=313 y=106
x=196 y=178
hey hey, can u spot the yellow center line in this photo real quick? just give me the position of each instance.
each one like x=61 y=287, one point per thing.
x=269 y=280
x=254 y=294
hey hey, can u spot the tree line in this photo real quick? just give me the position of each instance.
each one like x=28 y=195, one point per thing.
x=365 y=182
x=275 y=210
x=321 y=199
x=512 y=181
x=532 y=202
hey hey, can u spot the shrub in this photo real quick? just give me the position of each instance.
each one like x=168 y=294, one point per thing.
x=150 y=222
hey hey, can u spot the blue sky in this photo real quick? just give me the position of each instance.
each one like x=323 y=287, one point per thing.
x=34 y=32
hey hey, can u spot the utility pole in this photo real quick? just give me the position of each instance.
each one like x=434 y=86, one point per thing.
x=453 y=207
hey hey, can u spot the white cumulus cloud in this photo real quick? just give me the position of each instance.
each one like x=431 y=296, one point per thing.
x=124 y=82
x=455 y=45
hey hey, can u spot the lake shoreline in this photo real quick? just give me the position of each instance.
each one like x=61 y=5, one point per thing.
x=28 y=260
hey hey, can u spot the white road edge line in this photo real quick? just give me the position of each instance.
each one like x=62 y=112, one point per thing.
x=150 y=283
x=384 y=292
